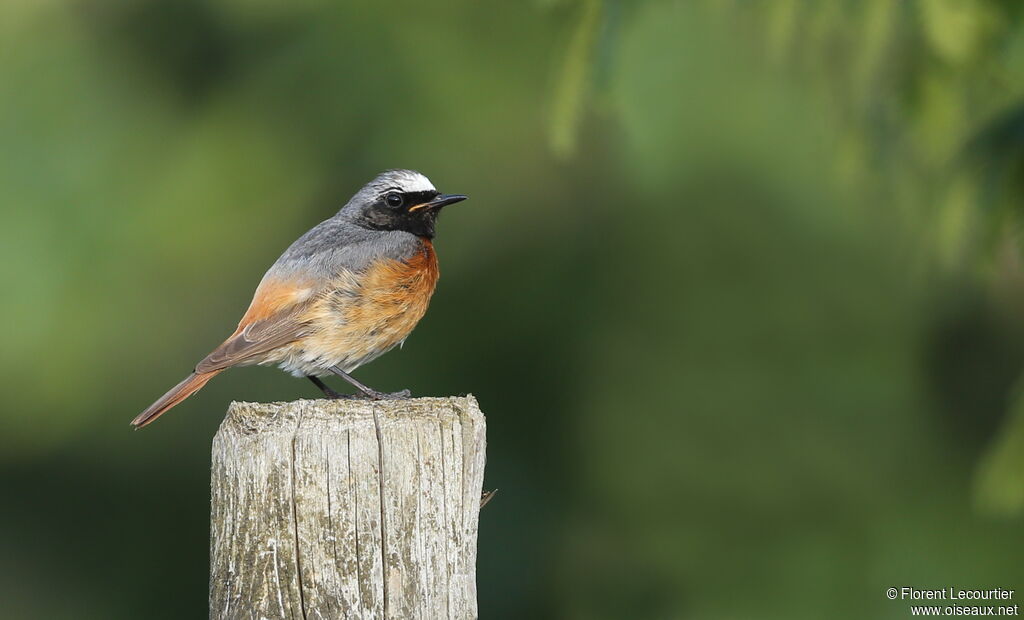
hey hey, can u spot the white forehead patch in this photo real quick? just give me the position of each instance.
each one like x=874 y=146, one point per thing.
x=411 y=181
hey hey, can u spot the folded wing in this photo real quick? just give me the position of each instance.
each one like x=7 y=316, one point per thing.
x=274 y=319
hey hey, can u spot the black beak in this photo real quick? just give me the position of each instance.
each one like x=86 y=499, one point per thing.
x=442 y=200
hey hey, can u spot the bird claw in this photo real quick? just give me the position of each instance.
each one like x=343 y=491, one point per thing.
x=375 y=395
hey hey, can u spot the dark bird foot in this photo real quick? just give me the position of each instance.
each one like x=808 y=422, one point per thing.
x=328 y=392
x=372 y=394
x=369 y=392
x=365 y=392
x=332 y=395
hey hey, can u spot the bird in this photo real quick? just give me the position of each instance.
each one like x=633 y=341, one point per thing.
x=346 y=292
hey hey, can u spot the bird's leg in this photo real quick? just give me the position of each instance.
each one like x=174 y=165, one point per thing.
x=367 y=391
x=328 y=392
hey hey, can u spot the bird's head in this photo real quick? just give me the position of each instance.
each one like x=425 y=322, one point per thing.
x=399 y=200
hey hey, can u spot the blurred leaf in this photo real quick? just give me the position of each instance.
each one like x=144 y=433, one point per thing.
x=572 y=86
x=955 y=222
x=999 y=478
x=879 y=26
x=954 y=27
x=781 y=27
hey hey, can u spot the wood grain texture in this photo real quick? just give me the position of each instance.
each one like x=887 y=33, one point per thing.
x=347 y=509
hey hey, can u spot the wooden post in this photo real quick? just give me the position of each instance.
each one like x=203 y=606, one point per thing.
x=347 y=509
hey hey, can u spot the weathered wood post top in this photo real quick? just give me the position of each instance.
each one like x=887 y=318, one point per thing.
x=347 y=509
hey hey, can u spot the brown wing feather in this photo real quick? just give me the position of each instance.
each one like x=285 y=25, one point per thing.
x=247 y=343
x=274 y=319
x=252 y=342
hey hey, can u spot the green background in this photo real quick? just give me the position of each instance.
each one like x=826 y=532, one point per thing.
x=739 y=286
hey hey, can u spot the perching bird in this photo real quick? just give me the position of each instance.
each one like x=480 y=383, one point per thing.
x=346 y=292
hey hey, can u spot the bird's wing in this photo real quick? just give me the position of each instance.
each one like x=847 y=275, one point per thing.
x=284 y=299
x=275 y=318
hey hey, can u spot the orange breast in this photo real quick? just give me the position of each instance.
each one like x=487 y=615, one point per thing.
x=393 y=296
x=362 y=316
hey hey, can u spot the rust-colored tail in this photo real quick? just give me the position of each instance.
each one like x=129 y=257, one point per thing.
x=192 y=384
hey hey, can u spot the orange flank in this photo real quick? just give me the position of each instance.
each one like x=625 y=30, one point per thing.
x=271 y=297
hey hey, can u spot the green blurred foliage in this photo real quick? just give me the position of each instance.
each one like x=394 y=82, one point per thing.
x=739 y=287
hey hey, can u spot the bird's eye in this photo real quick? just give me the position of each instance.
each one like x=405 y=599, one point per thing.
x=393 y=199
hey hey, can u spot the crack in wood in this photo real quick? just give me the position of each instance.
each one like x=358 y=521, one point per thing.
x=383 y=511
